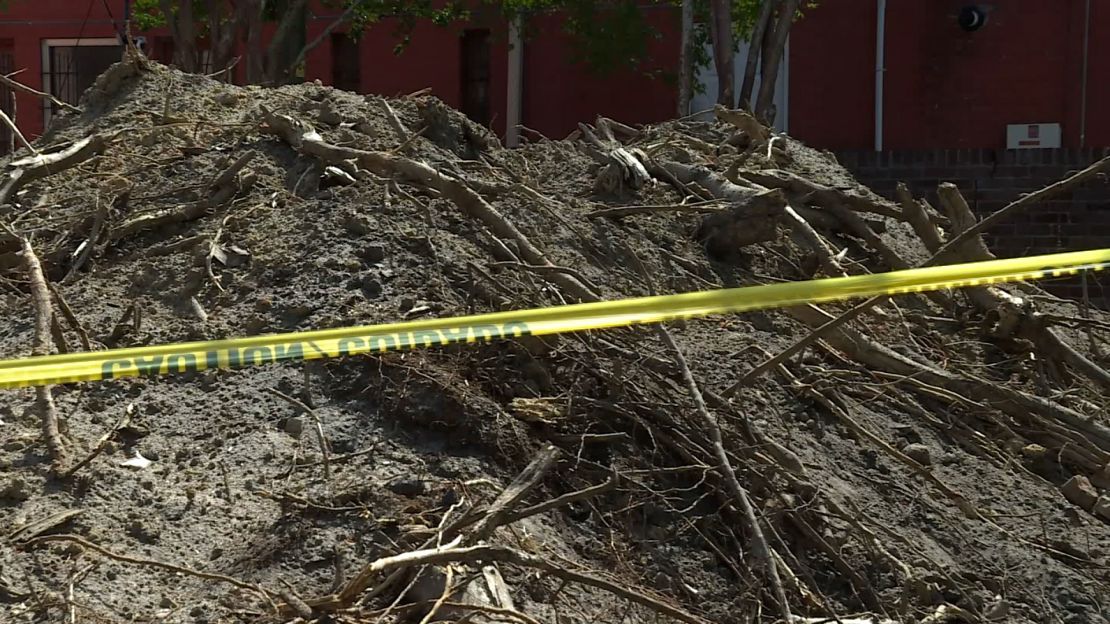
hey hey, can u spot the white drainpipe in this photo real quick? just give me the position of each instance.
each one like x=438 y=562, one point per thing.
x=515 y=84
x=880 y=68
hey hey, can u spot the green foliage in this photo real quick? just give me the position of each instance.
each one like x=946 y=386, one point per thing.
x=607 y=35
x=146 y=14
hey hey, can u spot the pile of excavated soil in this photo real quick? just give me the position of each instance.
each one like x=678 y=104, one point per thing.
x=973 y=491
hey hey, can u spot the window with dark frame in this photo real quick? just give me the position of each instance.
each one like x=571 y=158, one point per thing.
x=74 y=68
x=475 y=74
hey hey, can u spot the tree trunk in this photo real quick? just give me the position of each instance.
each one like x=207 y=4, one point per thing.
x=721 y=33
x=318 y=39
x=686 y=59
x=222 y=31
x=772 y=58
x=183 y=29
x=755 y=45
x=288 y=40
x=256 y=56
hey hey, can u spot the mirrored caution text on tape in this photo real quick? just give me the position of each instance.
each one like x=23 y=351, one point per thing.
x=330 y=343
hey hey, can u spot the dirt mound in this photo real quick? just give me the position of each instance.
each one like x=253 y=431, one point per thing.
x=940 y=458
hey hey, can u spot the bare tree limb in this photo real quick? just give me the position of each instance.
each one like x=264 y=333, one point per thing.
x=724 y=467
x=470 y=554
x=209 y=576
x=754 y=47
x=18 y=86
x=44 y=314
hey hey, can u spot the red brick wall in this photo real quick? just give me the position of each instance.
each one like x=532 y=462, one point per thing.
x=990 y=179
x=944 y=87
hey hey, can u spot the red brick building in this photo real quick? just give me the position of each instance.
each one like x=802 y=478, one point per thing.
x=940 y=86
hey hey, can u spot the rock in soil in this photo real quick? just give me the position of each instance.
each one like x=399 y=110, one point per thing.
x=1079 y=490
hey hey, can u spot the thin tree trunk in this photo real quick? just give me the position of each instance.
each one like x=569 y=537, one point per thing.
x=772 y=58
x=222 y=33
x=183 y=29
x=755 y=45
x=686 y=59
x=278 y=56
x=252 y=21
x=316 y=41
x=721 y=32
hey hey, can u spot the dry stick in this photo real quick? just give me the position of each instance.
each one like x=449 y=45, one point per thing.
x=565 y=499
x=698 y=207
x=512 y=495
x=90 y=243
x=15 y=131
x=547 y=268
x=11 y=139
x=18 y=86
x=301 y=136
x=222 y=189
x=990 y=298
x=853 y=313
x=724 y=466
x=76 y=539
x=453 y=554
x=1032 y=198
x=34 y=529
x=44 y=397
x=99 y=446
x=41 y=165
x=70 y=317
x=394 y=122
x=58 y=335
x=319 y=427
x=493 y=517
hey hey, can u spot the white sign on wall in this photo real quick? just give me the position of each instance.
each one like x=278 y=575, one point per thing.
x=1032 y=136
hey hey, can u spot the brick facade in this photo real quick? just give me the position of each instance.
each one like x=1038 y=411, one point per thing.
x=989 y=179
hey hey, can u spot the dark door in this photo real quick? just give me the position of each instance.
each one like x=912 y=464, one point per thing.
x=475 y=75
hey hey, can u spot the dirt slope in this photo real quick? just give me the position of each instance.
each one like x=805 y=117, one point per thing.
x=909 y=467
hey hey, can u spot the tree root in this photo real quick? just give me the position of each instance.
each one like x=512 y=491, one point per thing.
x=1015 y=316
x=31 y=168
x=44 y=315
x=221 y=190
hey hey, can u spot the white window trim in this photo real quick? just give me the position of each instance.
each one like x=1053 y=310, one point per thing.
x=47 y=70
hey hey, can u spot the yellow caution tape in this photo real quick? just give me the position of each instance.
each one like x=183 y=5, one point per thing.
x=325 y=343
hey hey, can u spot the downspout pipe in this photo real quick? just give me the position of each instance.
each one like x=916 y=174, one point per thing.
x=515 y=86
x=1084 y=78
x=880 y=69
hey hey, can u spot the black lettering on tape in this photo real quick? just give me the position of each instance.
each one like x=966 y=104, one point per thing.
x=211 y=359
x=515 y=328
x=455 y=334
x=149 y=366
x=181 y=363
x=346 y=345
x=253 y=356
x=381 y=343
x=485 y=333
x=319 y=351
x=108 y=368
x=426 y=338
x=291 y=351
